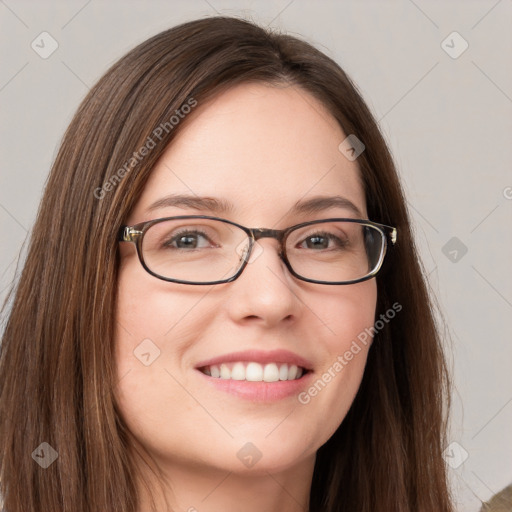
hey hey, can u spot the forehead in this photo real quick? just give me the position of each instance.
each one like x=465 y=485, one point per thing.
x=260 y=147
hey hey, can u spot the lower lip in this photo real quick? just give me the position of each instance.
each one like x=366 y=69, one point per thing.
x=259 y=391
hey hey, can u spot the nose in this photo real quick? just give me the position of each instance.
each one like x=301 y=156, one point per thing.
x=265 y=292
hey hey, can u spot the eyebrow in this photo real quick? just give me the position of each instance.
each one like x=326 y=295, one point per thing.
x=220 y=206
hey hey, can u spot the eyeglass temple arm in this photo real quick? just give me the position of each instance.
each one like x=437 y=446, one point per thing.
x=393 y=234
x=128 y=234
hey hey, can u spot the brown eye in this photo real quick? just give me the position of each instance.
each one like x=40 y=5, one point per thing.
x=322 y=240
x=187 y=240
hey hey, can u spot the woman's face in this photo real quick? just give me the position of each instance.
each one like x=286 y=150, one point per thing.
x=262 y=149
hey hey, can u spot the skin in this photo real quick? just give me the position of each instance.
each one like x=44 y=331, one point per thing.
x=263 y=148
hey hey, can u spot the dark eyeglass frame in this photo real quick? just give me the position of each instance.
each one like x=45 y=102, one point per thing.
x=135 y=234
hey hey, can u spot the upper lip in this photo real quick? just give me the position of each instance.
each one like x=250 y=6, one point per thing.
x=259 y=356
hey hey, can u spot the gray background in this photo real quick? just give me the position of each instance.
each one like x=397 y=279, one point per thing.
x=448 y=122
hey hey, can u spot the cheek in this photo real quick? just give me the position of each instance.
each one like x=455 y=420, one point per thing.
x=349 y=314
x=349 y=318
x=148 y=312
x=142 y=319
x=156 y=324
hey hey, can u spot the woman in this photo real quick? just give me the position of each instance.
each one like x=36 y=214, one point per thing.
x=161 y=353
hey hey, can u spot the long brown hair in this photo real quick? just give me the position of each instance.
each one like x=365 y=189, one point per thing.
x=57 y=371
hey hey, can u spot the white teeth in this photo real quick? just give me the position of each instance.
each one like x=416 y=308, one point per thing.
x=271 y=373
x=254 y=372
x=225 y=372
x=238 y=372
x=292 y=372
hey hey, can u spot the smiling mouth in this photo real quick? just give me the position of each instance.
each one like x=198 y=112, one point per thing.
x=254 y=372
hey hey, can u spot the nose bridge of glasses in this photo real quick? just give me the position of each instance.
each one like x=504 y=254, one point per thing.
x=256 y=234
x=259 y=233
x=277 y=234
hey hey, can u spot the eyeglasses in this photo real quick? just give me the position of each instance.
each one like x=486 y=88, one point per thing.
x=199 y=249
